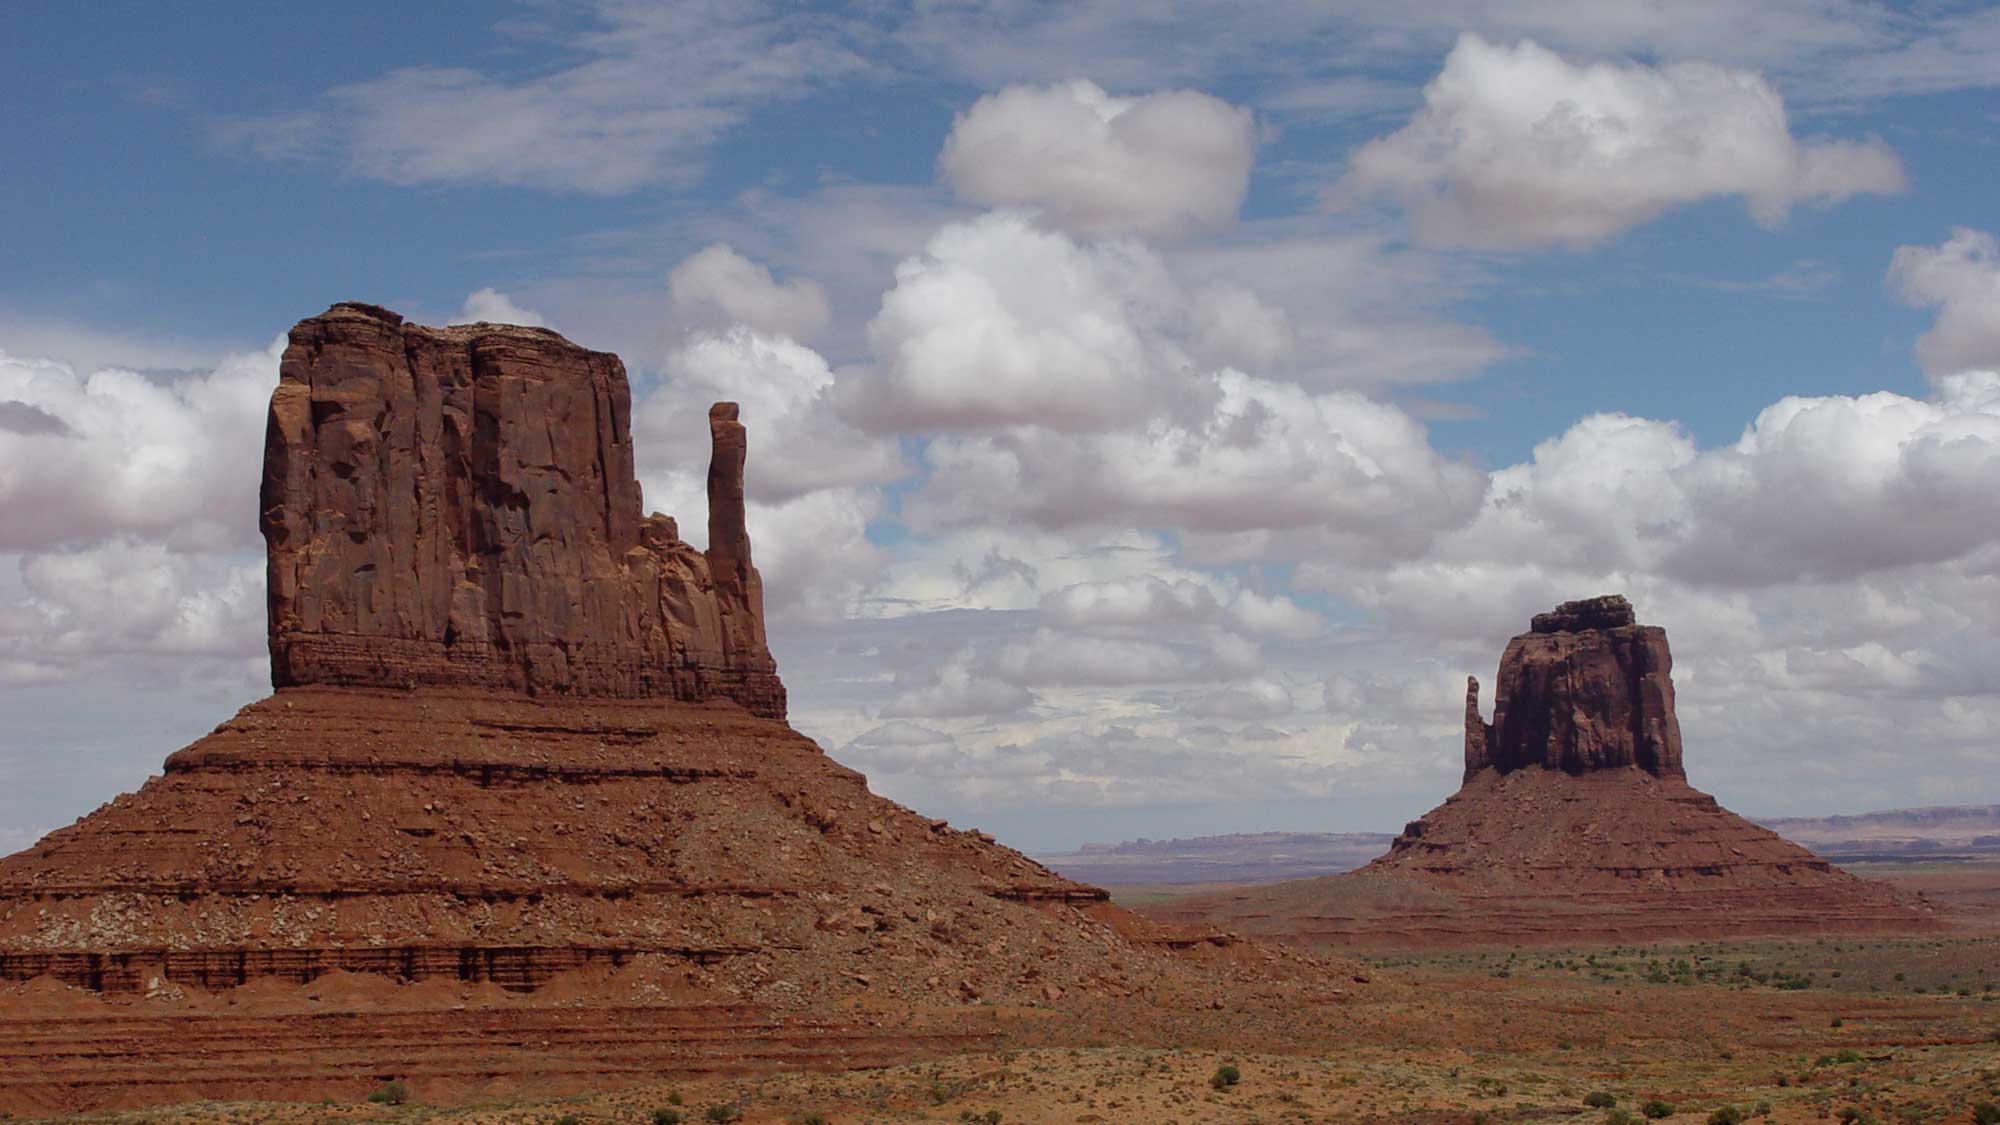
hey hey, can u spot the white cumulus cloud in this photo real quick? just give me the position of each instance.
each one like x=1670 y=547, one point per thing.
x=811 y=480
x=1159 y=165
x=1000 y=322
x=1520 y=147
x=1962 y=278
x=718 y=288
x=494 y=307
x=85 y=457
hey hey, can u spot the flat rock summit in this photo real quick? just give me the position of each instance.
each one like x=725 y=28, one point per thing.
x=1575 y=822
x=527 y=751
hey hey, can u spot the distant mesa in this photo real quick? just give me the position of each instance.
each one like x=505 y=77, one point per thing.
x=1575 y=822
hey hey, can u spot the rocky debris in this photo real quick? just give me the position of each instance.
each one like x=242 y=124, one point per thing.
x=1575 y=823
x=458 y=507
x=1584 y=689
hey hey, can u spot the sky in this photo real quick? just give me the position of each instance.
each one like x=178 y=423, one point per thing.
x=1156 y=411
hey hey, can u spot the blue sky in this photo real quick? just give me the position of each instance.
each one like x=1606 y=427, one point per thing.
x=1173 y=401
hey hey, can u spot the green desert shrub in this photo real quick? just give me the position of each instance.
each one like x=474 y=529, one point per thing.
x=1620 y=1117
x=1727 y=1115
x=1654 y=1109
x=1600 y=1100
x=665 y=1116
x=1225 y=1076
x=392 y=1093
x=723 y=1113
x=1986 y=1113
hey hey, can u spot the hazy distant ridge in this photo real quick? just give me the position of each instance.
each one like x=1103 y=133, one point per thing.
x=1265 y=857
x=1248 y=857
x=1892 y=832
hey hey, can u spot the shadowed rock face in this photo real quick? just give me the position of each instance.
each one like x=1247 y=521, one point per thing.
x=458 y=507
x=1586 y=688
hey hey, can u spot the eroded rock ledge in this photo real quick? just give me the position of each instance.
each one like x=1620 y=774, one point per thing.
x=458 y=506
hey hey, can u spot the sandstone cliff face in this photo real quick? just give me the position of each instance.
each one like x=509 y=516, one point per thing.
x=1586 y=688
x=458 y=507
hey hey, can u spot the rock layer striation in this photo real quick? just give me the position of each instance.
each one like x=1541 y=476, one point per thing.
x=458 y=507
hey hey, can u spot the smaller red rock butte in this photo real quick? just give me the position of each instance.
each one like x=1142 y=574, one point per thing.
x=1575 y=822
x=458 y=507
x=1585 y=688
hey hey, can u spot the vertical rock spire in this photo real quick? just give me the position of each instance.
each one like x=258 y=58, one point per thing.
x=728 y=540
x=1477 y=732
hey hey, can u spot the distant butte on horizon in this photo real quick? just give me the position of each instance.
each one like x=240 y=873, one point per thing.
x=1575 y=822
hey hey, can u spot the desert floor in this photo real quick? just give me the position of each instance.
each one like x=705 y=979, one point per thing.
x=1889 y=1029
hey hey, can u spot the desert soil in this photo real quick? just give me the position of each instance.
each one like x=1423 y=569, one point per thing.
x=1894 y=1029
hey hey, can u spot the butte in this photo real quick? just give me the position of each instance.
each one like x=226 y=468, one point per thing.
x=1575 y=823
x=526 y=751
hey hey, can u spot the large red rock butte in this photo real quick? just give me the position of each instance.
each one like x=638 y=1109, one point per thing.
x=523 y=740
x=1575 y=823
x=458 y=507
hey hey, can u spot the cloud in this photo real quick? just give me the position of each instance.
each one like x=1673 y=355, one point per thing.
x=811 y=479
x=1831 y=492
x=799 y=445
x=94 y=348
x=901 y=748
x=718 y=288
x=1354 y=477
x=651 y=88
x=1064 y=658
x=131 y=599
x=31 y=421
x=1151 y=601
x=999 y=322
x=1257 y=699
x=1159 y=165
x=114 y=453
x=1282 y=48
x=1962 y=279
x=958 y=691
x=1518 y=147
x=494 y=307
